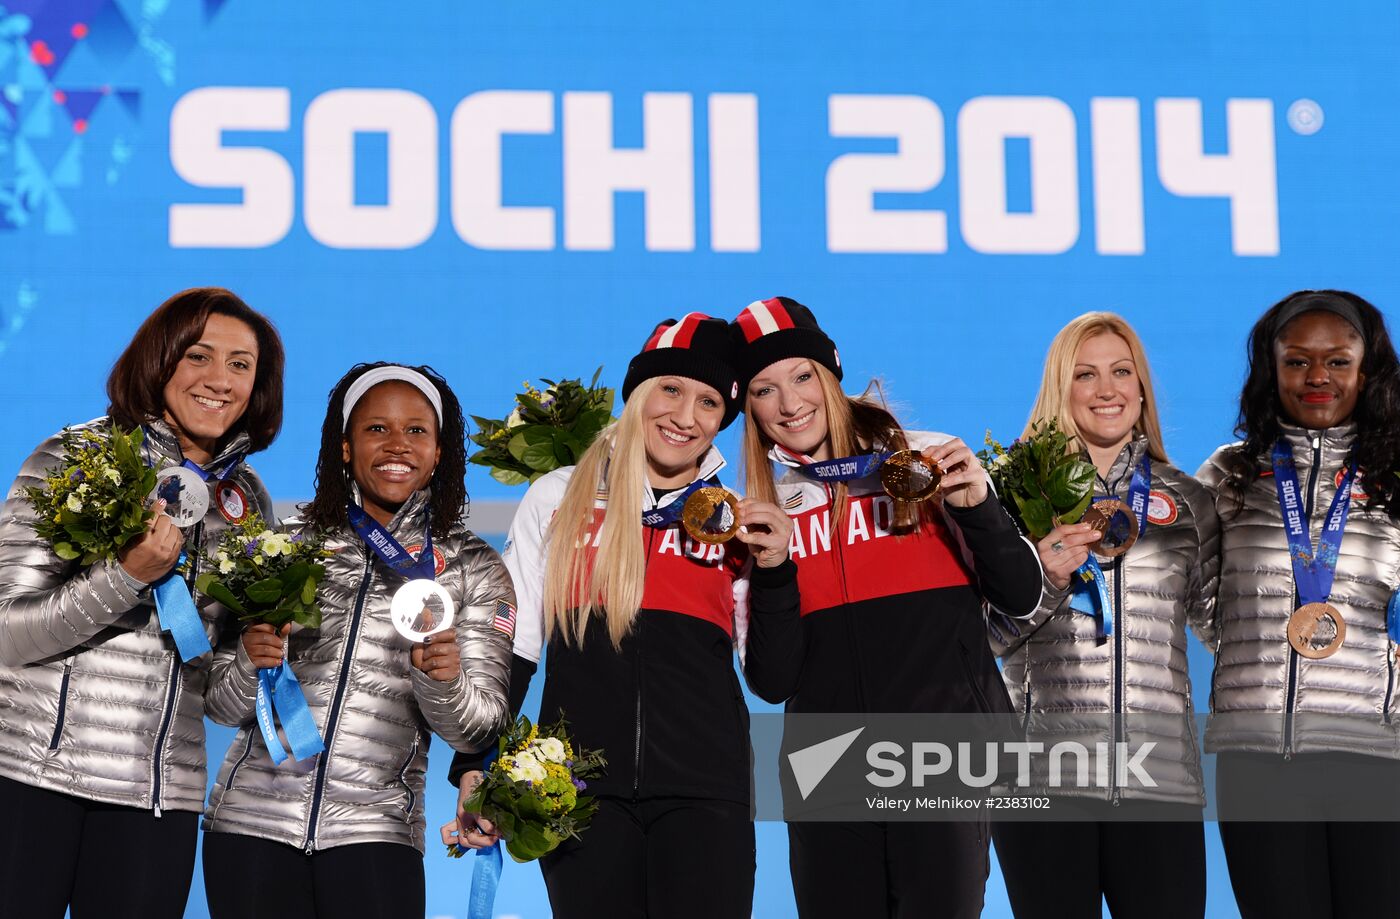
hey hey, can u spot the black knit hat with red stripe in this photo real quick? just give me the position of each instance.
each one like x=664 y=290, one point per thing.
x=776 y=329
x=697 y=347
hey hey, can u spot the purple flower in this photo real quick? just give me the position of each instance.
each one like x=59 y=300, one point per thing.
x=568 y=764
x=580 y=784
x=297 y=537
x=76 y=475
x=252 y=549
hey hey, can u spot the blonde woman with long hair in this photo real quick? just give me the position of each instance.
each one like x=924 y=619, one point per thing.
x=892 y=597
x=641 y=620
x=1117 y=674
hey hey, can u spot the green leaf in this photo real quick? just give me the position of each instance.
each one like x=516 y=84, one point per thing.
x=268 y=590
x=509 y=477
x=221 y=594
x=65 y=551
x=308 y=591
x=1076 y=513
x=1036 y=514
x=1068 y=483
x=540 y=457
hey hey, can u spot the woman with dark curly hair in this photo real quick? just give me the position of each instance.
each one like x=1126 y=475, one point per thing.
x=341 y=833
x=1304 y=689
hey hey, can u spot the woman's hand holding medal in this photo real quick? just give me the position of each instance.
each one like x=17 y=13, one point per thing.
x=767 y=529
x=439 y=656
x=964 y=483
x=150 y=556
x=1064 y=549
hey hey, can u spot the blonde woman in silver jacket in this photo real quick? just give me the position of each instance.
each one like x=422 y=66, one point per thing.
x=102 y=765
x=1304 y=697
x=1119 y=674
x=341 y=833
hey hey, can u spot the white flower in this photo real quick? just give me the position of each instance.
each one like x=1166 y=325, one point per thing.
x=513 y=420
x=549 y=749
x=74 y=504
x=83 y=489
x=275 y=544
x=1002 y=459
x=226 y=566
x=524 y=767
x=113 y=476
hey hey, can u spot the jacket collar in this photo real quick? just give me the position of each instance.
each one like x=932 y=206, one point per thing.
x=163 y=439
x=1128 y=458
x=1336 y=442
x=411 y=517
x=710 y=465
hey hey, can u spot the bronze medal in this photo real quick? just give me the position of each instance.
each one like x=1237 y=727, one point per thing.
x=1307 y=629
x=1116 y=523
x=906 y=476
x=711 y=515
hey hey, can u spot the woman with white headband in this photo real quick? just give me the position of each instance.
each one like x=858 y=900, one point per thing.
x=341 y=833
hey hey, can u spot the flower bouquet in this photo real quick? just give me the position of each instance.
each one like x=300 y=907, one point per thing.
x=1039 y=480
x=546 y=429
x=94 y=502
x=263 y=576
x=533 y=791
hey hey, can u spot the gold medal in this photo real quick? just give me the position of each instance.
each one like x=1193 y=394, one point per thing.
x=1116 y=523
x=1307 y=629
x=907 y=476
x=711 y=515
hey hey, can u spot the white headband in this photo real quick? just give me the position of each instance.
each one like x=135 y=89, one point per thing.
x=378 y=375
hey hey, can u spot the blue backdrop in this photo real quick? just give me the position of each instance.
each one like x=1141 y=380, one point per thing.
x=513 y=190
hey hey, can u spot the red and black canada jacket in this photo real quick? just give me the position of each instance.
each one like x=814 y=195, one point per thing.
x=894 y=623
x=666 y=708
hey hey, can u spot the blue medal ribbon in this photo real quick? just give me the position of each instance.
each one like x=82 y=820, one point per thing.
x=177 y=615
x=1312 y=572
x=844 y=469
x=486 y=868
x=278 y=687
x=388 y=549
x=1139 y=490
x=662 y=517
x=219 y=476
x=1392 y=617
x=1090 y=593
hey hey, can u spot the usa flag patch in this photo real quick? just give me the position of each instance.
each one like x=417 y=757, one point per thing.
x=505 y=618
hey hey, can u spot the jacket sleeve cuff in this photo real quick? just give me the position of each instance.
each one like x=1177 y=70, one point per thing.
x=777 y=577
x=114 y=589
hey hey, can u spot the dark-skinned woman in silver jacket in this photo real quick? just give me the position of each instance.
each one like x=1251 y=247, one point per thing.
x=340 y=833
x=1116 y=675
x=1304 y=697
x=102 y=764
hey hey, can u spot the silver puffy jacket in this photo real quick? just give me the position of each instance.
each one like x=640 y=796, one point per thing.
x=374 y=709
x=94 y=701
x=1345 y=702
x=1068 y=681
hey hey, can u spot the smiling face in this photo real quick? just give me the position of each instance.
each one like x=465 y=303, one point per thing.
x=1317 y=360
x=786 y=400
x=391 y=446
x=1105 y=395
x=681 y=417
x=211 y=385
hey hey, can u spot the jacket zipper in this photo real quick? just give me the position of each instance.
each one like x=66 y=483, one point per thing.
x=1290 y=700
x=174 y=688
x=1026 y=690
x=62 y=704
x=1389 y=681
x=346 y=663
x=233 y=772
x=412 y=752
x=1118 y=689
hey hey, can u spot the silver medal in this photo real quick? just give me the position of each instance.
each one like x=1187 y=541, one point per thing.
x=420 y=608
x=186 y=496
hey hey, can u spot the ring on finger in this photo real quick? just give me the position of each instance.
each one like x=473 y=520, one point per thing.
x=1057 y=546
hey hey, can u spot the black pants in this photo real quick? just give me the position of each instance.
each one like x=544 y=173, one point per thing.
x=1146 y=869
x=58 y=853
x=896 y=870
x=250 y=878
x=666 y=858
x=1310 y=868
